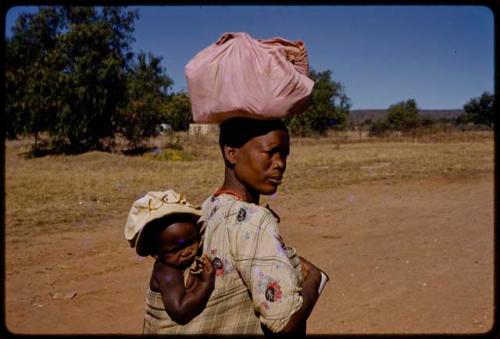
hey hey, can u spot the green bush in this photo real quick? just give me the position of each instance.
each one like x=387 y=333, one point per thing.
x=379 y=128
x=403 y=116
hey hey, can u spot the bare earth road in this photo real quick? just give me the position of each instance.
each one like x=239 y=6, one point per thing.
x=403 y=257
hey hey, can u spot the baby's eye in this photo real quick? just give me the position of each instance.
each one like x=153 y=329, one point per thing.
x=165 y=252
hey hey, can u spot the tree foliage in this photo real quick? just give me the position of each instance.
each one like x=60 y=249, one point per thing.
x=403 y=116
x=379 y=128
x=29 y=72
x=147 y=86
x=176 y=111
x=329 y=107
x=478 y=110
x=66 y=73
x=93 y=60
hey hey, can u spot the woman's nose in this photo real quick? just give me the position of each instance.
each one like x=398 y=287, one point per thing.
x=280 y=162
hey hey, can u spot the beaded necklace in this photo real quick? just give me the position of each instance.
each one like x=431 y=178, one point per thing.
x=230 y=192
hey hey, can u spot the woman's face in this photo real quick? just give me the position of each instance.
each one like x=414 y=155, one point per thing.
x=261 y=162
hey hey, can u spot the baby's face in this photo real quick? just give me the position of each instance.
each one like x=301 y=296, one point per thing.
x=178 y=244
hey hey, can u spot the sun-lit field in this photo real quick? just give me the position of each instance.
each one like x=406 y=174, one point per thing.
x=397 y=223
x=55 y=193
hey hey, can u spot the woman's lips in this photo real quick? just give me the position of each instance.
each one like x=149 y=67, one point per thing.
x=275 y=180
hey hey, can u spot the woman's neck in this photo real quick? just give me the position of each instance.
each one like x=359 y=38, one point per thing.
x=231 y=183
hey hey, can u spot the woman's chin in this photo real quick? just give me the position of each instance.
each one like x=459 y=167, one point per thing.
x=269 y=190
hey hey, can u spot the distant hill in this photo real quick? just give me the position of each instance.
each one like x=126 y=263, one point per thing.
x=361 y=115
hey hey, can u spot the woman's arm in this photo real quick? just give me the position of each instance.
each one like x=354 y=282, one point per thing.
x=282 y=302
x=297 y=323
x=183 y=305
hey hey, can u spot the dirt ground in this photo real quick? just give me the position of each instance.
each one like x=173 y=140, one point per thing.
x=403 y=257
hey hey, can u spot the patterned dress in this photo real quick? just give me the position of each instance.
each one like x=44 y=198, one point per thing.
x=258 y=277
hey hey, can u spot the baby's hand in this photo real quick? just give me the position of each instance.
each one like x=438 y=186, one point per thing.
x=208 y=273
x=197 y=266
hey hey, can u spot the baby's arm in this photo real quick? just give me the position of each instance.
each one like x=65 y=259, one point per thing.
x=183 y=305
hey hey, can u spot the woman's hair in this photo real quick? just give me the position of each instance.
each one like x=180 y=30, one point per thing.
x=236 y=132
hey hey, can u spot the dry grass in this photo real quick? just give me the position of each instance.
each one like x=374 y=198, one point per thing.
x=57 y=193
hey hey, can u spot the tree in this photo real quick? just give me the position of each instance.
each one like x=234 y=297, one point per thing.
x=329 y=107
x=30 y=77
x=66 y=70
x=94 y=54
x=176 y=111
x=478 y=110
x=147 y=87
x=403 y=116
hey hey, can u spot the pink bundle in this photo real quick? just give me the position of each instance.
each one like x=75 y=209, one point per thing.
x=239 y=76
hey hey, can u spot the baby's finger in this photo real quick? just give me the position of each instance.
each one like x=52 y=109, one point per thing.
x=207 y=260
x=210 y=266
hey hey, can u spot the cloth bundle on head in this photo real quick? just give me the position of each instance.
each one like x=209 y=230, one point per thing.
x=239 y=76
x=152 y=206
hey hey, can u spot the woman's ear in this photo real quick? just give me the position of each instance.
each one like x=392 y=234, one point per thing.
x=230 y=155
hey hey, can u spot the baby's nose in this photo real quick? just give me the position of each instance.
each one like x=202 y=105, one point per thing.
x=190 y=250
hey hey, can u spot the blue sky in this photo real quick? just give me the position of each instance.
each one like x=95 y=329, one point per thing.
x=439 y=55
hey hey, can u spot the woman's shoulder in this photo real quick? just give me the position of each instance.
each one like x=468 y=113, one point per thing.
x=237 y=211
x=244 y=211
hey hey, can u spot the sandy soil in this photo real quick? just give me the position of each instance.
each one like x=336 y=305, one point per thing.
x=406 y=257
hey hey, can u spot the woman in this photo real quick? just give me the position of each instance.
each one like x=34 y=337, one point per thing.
x=261 y=284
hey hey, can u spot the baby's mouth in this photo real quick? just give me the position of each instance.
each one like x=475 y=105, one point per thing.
x=187 y=262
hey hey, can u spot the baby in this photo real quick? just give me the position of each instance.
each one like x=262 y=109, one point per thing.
x=164 y=225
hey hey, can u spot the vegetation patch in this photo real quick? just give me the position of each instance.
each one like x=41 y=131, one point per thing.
x=170 y=154
x=76 y=192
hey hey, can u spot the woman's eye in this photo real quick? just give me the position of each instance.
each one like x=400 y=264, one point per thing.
x=272 y=152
